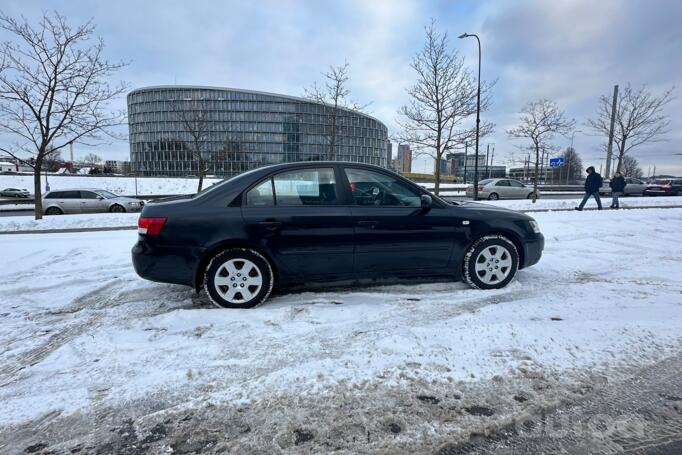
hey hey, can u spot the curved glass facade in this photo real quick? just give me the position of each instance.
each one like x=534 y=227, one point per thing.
x=239 y=130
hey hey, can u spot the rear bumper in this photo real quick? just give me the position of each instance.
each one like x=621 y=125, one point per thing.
x=533 y=251
x=164 y=264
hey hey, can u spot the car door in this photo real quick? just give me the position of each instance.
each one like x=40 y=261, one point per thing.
x=393 y=232
x=68 y=201
x=503 y=189
x=91 y=202
x=299 y=217
x=518 y=189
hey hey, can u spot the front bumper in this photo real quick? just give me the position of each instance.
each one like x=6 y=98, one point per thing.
x=533 y=250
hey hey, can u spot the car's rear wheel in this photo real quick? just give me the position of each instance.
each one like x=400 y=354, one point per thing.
x=491 y=262
x=53 y=211
x=494 y=196
x=238 y=278
x=117 y=209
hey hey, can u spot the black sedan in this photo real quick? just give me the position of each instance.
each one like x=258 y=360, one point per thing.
x=328 y=222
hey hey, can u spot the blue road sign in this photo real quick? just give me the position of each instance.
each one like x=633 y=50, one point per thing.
x=556 y=162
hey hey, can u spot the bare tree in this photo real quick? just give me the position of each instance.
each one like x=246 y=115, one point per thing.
x=92 y=159
x=194 y=119
x=53 y=89
x=334 y=96
x=630 y=167
x=639 y=119
x=540 y=121
x=441 y=99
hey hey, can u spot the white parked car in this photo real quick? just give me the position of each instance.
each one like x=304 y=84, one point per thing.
x=88 y=200
x=495 y=189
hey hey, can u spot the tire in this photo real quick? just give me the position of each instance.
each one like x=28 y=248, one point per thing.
x=228 y=266
x=493 y=197
x=530 y=196
x=490 y=248
x=116 y=208
x=54 y=211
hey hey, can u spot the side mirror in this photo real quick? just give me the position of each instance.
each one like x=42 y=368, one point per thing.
x=426 y=201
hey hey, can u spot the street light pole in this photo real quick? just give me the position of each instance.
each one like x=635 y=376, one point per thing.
x=478 y=109
x=466 y=146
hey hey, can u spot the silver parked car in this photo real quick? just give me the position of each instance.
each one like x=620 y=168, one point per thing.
x=15 y=192
x=633 y=187
x=494 y=189
x=88 y=200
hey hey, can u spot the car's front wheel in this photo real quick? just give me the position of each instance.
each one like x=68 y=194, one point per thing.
x=117 y=209
x=491 y=262
x=238 y=278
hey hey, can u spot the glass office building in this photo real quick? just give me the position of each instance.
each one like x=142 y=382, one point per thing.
x=238 y=130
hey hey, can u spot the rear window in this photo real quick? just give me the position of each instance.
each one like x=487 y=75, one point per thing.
x=662 y=181
x=484 y=181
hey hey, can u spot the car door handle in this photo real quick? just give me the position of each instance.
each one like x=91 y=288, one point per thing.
x=270 y=225
x=368 y=224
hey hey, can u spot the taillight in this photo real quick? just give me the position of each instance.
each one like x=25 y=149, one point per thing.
x=150 y=226
x=667 y=187
x=480 y=187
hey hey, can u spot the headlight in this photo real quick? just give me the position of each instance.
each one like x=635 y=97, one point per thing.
x=535 y=226
x=133 y=203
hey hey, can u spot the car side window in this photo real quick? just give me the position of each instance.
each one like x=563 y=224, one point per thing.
x=305 y=187
x=88 y=195
x=515 y=184
x=261 y=195
x=54 y=195
x=502 y=183
x=379 y=189
x=71 y=195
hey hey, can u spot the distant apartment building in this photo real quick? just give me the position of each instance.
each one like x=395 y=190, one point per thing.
x=118 y=166
x=461 y=163
x=404 y=162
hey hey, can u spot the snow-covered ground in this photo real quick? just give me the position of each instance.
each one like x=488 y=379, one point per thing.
x=120 y=185
x=82 y=334
x=562 y=204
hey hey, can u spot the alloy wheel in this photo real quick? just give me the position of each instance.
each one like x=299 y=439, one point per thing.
x=238 y=280
x=493 y=264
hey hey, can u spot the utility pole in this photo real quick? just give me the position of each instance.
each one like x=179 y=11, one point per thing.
x=487 y=155
x=466 y=146
x=613 y=120
x=492 y=159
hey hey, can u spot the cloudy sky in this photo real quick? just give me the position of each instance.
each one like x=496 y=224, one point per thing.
x=569 y=51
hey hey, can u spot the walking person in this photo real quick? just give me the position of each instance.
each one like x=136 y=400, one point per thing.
x=593 y=183
x=617 y=189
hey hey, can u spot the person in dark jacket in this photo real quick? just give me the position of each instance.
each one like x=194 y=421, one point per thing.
x=617 y=189
x=592 y=184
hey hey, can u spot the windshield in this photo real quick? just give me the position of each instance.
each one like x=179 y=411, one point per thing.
x=106 y=194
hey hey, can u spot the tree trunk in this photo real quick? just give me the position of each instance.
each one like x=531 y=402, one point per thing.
x=201 y=174
x=37 y=192
x=535 y=183
x=436 y=173
x=621 y=154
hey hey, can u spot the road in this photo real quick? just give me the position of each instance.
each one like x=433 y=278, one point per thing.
x=640 y=415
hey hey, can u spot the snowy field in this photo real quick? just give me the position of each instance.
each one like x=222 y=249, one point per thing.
x=120 y=185
x=23 y=223
x=90 y=353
